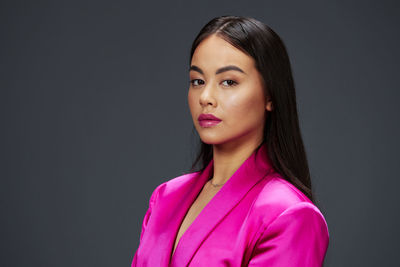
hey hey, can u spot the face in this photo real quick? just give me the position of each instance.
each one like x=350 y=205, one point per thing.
x=224 y=82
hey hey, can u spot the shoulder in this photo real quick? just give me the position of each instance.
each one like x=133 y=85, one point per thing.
x=291 y=225
x=173 y=184
x=279 y=197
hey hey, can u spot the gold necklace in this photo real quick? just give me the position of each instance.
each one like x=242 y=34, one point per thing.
x=216 y=185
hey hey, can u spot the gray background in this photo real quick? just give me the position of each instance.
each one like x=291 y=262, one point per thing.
x=94 y=116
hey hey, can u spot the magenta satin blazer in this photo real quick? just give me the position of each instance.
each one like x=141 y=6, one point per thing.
x=256 y=219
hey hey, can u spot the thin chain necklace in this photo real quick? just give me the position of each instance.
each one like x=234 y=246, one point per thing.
x=216 y=185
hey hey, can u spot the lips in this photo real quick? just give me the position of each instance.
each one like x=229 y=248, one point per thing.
x=208 y=117
x=208 y=120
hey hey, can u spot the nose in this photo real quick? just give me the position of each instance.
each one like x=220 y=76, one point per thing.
x=207 y=96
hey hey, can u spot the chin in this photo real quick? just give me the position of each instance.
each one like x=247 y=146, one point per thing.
x=213 y=139
x=209 y=141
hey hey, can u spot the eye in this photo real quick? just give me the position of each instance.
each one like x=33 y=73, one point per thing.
x=196 y=82
x=229 y=83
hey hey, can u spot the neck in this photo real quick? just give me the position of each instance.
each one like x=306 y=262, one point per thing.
x=228 y=158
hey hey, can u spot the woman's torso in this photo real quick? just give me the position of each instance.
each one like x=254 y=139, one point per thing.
x=204 y=197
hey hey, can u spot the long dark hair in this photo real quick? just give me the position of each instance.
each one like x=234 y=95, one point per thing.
x=281 y=132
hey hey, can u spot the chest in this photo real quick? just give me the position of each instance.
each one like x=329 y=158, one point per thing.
x=209 y=228
x=230 y=241
x=198 y=205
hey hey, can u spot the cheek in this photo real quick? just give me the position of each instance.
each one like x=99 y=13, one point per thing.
x=191 y=101
x=244 y=107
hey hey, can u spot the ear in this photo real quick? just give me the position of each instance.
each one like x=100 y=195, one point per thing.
x=269 y=106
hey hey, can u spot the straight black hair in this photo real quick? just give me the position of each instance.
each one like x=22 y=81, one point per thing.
x=282 y=134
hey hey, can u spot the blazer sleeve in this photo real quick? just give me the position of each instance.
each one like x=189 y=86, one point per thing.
x=152 y=201
x=297 y=237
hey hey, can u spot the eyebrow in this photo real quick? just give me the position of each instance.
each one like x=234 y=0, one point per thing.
x=220 y=70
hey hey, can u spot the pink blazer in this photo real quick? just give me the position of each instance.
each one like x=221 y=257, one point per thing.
x=256 y=219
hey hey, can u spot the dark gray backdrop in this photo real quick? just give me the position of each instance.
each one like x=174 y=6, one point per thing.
x=94 y=116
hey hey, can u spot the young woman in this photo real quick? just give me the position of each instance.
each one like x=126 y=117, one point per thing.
x=251 y=202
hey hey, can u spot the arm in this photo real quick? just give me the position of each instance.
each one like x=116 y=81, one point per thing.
x=297 y=237
x=152 y=201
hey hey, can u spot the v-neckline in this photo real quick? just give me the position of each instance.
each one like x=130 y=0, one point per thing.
x=245 y=177
x=175 y=246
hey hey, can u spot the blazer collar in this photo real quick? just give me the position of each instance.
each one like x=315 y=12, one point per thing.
x=253 y=169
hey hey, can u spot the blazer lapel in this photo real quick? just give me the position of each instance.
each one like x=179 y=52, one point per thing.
x=178 y=196
x=256 y=167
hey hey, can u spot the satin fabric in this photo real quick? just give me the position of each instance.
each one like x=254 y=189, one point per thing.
x=256 y=219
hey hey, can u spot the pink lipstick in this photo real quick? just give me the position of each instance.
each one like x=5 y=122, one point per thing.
x=208 y=120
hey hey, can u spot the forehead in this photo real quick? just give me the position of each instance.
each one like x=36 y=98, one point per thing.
x=214 y=52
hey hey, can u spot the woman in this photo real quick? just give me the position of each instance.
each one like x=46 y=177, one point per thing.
x=250 y=204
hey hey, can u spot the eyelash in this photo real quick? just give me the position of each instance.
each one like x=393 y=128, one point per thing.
x=234 y=83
